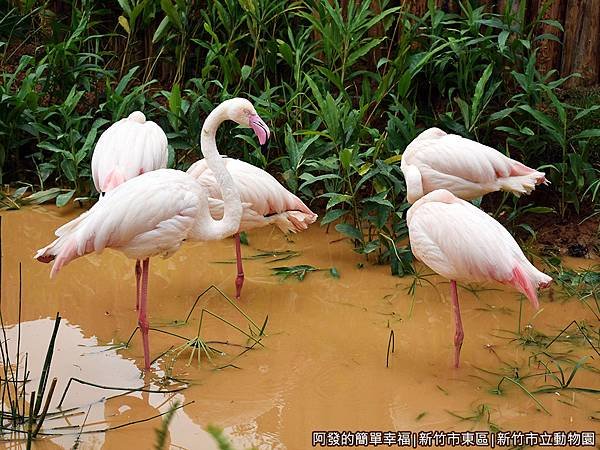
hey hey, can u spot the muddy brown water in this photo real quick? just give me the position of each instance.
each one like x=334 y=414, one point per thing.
x=323 y=364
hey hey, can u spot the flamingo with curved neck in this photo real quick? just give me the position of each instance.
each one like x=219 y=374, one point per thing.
x=265 y=201
x=153 y=213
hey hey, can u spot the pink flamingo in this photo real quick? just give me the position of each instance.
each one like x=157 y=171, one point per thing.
x=468 y=169
x=266 y=202
x=462 y=243
x=153 y=213
x=128 y=148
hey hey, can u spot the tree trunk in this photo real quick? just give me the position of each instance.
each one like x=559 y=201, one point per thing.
x=418 y=7
x=448 y=6
x=581 y=52
x=550 y=52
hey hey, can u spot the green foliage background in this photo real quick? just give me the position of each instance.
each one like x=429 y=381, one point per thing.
x=343 y=91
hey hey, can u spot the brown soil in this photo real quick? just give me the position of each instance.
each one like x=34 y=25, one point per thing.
x=573 y=237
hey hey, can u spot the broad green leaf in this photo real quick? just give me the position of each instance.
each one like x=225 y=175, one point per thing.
x=175 y=100
x=540 y=210
x=546 y=122
x=333 y=215
x=63 y=199
x=42 y=196
x=246 y=72
x=379 y=200
x=310 y=179
x=337 y=199
x=591 y=133
x=160 y=30
x=502 y=37
x=479 y=88
x=554 y=23
x=346 y=158
x=350 y=231
x=393 y=159
x=581 y=114
x=286 y=52
x=69 y=169
x=362 y=51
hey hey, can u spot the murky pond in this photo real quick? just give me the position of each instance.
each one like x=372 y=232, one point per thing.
x=322 y=363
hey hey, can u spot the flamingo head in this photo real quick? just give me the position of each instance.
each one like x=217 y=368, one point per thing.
x=242 y=112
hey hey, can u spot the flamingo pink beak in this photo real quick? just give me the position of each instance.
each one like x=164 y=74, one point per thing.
x=260 y=128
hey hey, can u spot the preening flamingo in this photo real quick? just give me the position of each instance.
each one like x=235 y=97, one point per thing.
x=266 y=202
x=153 y=213
x=468 y=169
x=462 y=243
x=128 y=148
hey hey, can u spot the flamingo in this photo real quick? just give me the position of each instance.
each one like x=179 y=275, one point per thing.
x=153 y=213
x=265 y=201
x=462 y=243
x=468 y=169
x=128 y=148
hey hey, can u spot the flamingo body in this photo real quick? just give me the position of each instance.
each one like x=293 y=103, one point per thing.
x=139 y=229
x=468 y=169
x=462 y=243
x=128 y=148
x=261 y=192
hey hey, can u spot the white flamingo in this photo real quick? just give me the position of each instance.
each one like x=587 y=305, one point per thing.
x=468 y=169
x=462 y=243
x=266 y=202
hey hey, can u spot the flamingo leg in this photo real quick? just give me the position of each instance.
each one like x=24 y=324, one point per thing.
x=138 y=274
x=458 y=333
x=143 y=314
x=239 y=281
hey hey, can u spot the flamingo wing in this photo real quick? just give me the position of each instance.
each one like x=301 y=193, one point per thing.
x=466 y=168
x=145 y=216
x=127 y=149
x=256 y=187
x=464 y=158
x=463 y=243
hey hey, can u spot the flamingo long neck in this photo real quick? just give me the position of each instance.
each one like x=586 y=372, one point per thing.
x=207 y=228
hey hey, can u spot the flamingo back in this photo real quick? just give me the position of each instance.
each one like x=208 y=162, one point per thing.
x=128 y=148
x=465 y=167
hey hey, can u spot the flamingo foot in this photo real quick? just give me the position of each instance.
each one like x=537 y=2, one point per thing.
x=239 y=281
x=459 y=332
x=143 y=315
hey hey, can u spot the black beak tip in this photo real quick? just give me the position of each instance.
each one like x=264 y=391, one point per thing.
x=264 y=147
